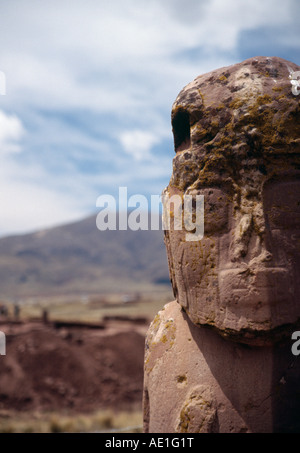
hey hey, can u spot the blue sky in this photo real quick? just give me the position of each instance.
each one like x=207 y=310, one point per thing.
x=90 y=86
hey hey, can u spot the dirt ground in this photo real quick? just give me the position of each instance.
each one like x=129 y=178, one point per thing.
x=72 y=367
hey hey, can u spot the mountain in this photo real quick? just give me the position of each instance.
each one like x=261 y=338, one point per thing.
x=78 y=258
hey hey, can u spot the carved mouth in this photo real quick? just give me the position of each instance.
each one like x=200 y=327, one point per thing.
x=262 y=295
x=261 y=277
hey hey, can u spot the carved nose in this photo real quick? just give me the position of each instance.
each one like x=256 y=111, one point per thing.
x=239 y=247
x=246 y=229
x=264 y=257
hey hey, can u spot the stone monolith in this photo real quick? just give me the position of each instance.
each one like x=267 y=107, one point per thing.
x=219 y=357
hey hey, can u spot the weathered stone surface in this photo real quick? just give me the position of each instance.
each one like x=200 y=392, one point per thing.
x=197 y=381
x=237 y=142
x=219 y=359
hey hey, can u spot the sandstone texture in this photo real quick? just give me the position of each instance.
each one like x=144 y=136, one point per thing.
x=198 y=382
x=237 y=142
x=218 y=359
x=71 y=368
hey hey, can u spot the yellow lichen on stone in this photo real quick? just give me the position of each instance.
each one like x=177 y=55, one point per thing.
x=277 y=88
x=198 y=414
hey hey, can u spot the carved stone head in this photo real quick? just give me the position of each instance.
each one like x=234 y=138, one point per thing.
x=237 y=142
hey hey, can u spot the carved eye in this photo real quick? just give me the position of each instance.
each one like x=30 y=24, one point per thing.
x=181 y=130
x=216 y=204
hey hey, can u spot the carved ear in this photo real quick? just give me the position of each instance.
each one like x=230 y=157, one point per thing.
x=181 y=129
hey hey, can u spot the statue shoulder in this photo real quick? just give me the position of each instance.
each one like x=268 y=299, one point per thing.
x=161 y=334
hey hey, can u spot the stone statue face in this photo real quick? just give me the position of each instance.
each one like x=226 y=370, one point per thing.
x=237 y=142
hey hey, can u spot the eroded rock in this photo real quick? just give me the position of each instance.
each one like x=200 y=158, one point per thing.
x=237 y=142
x=243 y=155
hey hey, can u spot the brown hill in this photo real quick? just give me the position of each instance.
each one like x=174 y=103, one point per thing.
x=50 y=368
x=78 y=258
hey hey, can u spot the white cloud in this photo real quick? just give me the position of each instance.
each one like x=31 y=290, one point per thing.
x=26 y=208
x=29 y=201
x=138 y=143
x=124 y=62
x=91 y=53
x=11 y=132
x=2 y=84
